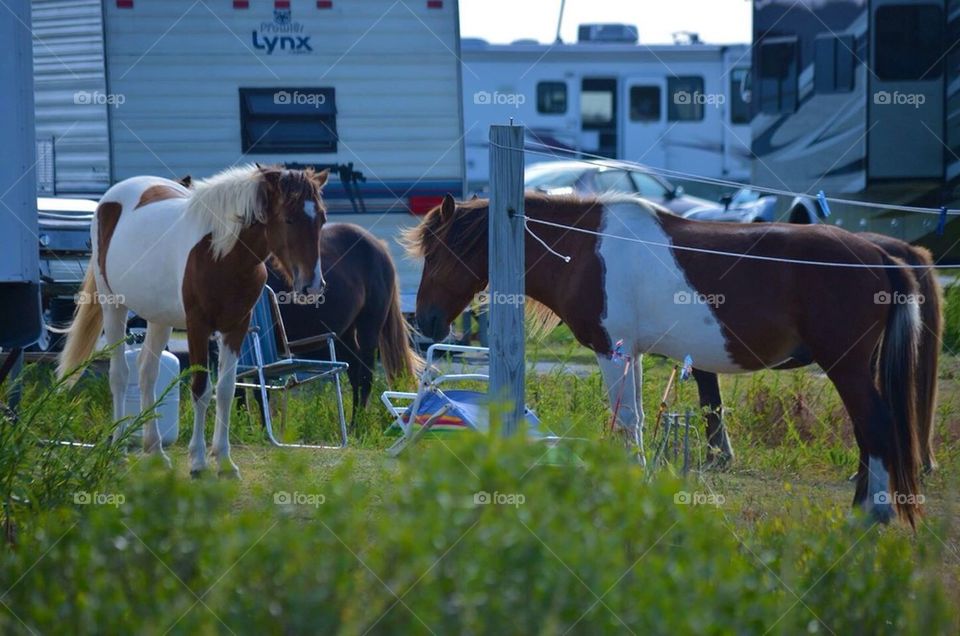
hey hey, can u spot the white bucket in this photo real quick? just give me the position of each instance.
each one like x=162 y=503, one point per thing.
x=168 y=410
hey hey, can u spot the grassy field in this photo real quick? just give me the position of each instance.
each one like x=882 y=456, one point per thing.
x=378 y=545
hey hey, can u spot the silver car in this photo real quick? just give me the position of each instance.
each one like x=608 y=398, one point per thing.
x=590 y=178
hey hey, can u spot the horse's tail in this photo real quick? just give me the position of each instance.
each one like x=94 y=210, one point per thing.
x=929 y=352
x=898 y=366
x=85 y=329
x=398 y=356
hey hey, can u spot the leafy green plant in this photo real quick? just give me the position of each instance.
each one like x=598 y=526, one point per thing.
x=474 y=535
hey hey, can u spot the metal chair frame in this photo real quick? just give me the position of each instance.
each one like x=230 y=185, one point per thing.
x=281 y=375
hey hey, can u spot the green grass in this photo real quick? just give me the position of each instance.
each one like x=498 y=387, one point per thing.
x=408 y=528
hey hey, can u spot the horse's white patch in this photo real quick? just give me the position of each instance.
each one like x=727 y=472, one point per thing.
x=878 y=484
x=147 y=255
x=650 y=304
x=310 y=209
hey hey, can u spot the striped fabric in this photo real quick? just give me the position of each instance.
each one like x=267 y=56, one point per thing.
x=262 y=318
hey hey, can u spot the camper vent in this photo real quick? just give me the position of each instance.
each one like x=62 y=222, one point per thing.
x=46 y=167
x=615 y=33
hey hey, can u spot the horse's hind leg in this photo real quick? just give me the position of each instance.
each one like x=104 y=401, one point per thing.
x=115 y=330
x=226 y=385
x=368 y=337
x=149 y=366
x=719 y=450
x=347 y=352
x=873 y=427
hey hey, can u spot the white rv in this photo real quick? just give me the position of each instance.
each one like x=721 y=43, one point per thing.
x=861 y=99
x=676 y=106
x=369 y=89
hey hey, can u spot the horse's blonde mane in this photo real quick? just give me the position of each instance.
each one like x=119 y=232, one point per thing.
x=229 y=201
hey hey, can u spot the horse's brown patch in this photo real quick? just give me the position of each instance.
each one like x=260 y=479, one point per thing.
x=764 y=314
x=549 y=278
x=160 y=192
x=453 y=241
x=218 y=294
x=108 y=215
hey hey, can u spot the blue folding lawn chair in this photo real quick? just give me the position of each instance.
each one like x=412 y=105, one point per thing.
x=267 y=363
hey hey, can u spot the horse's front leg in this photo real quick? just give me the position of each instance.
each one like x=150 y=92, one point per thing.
x=622 y=386
x=226 y=385
x=198 y=339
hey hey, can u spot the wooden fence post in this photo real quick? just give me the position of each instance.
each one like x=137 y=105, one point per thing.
x=507 y=269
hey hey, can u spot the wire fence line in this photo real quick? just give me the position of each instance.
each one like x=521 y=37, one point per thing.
x=700 y=250
x=600 y=160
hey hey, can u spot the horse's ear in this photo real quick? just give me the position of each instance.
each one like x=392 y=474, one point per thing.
x=320 y=178
x=475 y=197
x=271 y=176
x=186 y=181
x=448 y=206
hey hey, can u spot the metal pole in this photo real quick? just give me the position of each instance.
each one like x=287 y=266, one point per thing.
x=506 y=263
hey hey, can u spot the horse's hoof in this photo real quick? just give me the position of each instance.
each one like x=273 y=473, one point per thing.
x=717 y=463
x=197 y=473
x=882 y=513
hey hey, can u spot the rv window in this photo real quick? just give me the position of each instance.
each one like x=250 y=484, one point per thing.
x=833 y=63
x=909 y=42
x=739 y=107
x=552 y=98
x=686 y=98
x=596 y=107
x=777 y=81
x=289 y=120
x=644 y=103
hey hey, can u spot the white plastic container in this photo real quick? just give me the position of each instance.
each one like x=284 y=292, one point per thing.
x=169 y=408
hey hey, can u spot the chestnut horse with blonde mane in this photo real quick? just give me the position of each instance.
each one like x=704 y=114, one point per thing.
x=658 y=283
x=194 y=260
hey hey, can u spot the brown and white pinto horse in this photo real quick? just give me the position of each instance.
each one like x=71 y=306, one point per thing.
x=194 y=260
x=720 y=451
x=732 y=314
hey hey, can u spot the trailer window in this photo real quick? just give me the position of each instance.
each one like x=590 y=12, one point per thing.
x=909 y=42
x=644 y=103
x=288 y=120
x=833 y=63
x=551 y=98
x=739 y=106
x=686 y=98
x=778 y=78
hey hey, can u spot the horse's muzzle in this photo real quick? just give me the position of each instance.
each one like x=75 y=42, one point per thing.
x=433 y=325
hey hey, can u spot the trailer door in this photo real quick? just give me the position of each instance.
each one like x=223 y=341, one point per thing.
x=644 y=120
x=905 y=97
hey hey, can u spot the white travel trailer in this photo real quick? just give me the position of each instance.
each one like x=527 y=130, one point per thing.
x=677 y=106
x=369 y=89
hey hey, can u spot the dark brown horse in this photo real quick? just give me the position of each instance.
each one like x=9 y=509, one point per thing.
x=720 y=450
x=361 y=305
x=666 y=285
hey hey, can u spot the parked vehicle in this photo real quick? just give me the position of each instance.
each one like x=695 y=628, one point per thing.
x=860 y=100
x=368 y=89
x=676 y=106
x=589 y=178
